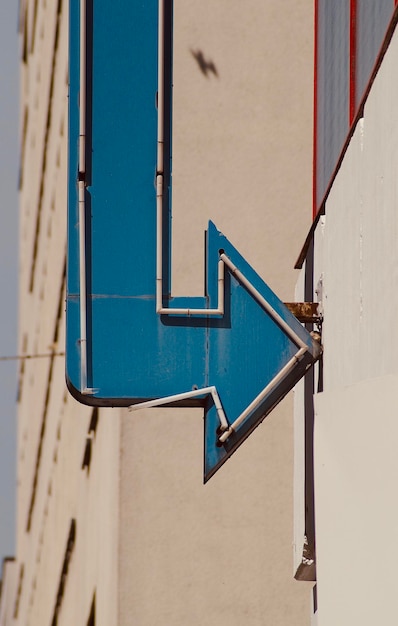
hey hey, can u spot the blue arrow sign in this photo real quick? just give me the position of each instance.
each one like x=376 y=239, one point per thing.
x=237 y=350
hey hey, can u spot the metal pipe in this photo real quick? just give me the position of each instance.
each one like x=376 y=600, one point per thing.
x=262 y=301
x=160 y=95
x=194 y=393
x=82 y=199
x=219 y=409
x=217 y=311
x=82 y=88
x=160 y=159
x=159 y=243
x=221 y=290
x=82 y=287
x=160 y=309
x=271 y=385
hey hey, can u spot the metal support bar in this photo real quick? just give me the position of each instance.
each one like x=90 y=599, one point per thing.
x=306 y=312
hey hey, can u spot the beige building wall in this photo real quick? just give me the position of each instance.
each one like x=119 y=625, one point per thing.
x=114 y=525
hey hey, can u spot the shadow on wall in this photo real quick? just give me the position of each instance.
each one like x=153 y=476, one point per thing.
x=205 y=66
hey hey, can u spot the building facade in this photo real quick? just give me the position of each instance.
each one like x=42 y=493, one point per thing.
x=114 y=526
x=350 y=269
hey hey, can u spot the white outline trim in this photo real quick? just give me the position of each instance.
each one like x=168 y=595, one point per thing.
x=263 y=302
x=82 y=201
x=185 y=396
x=160 y=309
x=270 y=387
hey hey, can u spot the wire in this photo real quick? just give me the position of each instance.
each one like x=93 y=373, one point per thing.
x=31 y=356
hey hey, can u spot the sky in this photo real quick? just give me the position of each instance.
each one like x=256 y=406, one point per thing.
x=9 y=154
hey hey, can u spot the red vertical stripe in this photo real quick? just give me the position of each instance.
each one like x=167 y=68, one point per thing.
x=315 y=136
x=353 y=60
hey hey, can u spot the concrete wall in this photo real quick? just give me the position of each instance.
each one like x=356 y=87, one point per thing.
x=132 y=526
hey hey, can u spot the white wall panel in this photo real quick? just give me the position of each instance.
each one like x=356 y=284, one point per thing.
x=356 y=434
x=356 y=461
x=360 y=252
